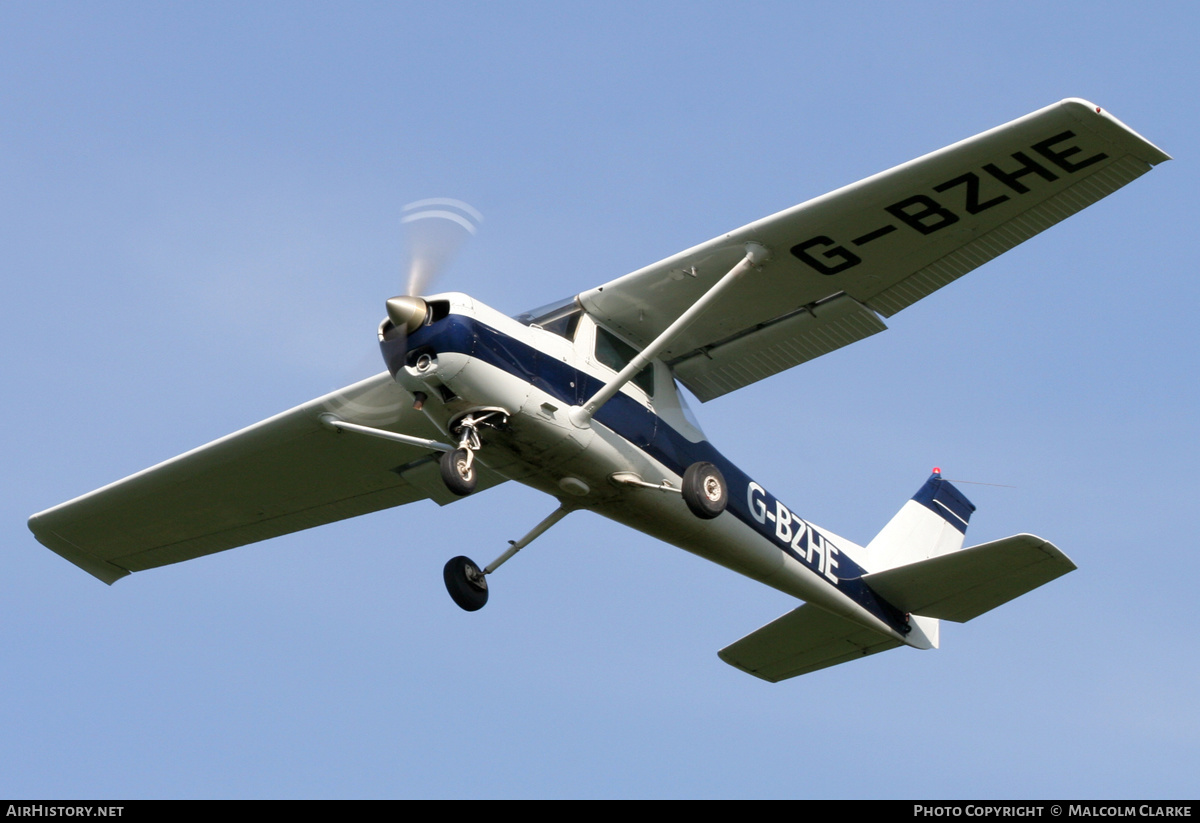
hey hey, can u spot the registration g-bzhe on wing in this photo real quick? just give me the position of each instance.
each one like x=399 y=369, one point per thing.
x=580 y=400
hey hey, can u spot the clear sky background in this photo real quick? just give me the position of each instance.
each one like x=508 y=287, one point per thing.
x=199 y=226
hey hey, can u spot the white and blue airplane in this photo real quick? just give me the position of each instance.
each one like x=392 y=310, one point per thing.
x=579 y=399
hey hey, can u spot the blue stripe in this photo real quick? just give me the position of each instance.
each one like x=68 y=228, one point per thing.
x=947 y=502
x=642 y=427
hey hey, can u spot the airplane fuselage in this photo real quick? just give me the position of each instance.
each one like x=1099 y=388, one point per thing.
x=470 y=357
x=579 y=399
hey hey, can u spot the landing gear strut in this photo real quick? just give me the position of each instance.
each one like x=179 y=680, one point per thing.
x=467 y=583
x=702 y=486
x=458 y=466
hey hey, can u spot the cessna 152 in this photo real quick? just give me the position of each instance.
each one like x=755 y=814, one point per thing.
x=579 y=400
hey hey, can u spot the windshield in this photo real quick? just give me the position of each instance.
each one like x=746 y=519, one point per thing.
x=560 y=317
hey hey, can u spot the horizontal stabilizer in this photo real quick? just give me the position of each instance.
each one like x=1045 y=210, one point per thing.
x=802 y=641
x=967 y=583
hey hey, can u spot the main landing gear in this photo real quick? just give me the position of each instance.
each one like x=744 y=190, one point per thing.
x=704 y=490
x=467 y=583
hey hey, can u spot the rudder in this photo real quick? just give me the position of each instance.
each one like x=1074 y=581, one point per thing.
x=931 y=524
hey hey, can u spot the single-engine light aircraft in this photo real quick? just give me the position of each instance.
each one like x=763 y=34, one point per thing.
x=579 y=399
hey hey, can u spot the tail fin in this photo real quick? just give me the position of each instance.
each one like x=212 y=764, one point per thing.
x=918 y=565
x=932 y=523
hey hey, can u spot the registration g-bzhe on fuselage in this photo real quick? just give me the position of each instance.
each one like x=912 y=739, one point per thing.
x=580 y=400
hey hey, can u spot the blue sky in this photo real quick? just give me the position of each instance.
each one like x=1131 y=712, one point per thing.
x=200 y=224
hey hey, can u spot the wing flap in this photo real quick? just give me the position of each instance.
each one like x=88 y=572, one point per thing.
x=803 y=640
x=776 y=346
x=279 y=476
x=965 y=584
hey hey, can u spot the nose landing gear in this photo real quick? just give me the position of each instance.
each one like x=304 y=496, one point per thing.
x=458 y=471
x=458 y=466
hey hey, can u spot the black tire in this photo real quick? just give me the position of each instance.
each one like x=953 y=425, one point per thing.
x=704 y=490
x=458 y=476
x=466 y=584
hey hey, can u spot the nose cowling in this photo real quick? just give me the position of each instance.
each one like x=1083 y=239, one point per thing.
x=404 y=316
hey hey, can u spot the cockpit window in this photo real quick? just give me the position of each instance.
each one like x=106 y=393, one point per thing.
x=563 y=326
x=561 y=318
x=617 y=354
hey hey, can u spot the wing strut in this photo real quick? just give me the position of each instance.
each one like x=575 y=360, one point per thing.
x=756 y=255
x=337 y=424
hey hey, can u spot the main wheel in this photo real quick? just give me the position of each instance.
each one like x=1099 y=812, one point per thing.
x=466 y=583
x=458 y=472
x=704 y=490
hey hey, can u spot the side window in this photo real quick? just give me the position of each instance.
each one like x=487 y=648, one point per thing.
x=617 y=354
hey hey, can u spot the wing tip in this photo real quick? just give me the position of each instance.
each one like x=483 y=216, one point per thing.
x=1083 y=109
x=100 y=569
x=732 y=661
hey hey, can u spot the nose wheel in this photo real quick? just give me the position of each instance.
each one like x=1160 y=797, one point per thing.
x=458 y=471
x=458 y=465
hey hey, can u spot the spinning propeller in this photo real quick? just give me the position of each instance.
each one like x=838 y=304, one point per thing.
x=435 y=228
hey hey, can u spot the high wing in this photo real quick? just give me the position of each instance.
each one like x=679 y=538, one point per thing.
x=872 y=248
x=285 y=474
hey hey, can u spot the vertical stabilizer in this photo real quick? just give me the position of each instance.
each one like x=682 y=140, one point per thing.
x=932 y=523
